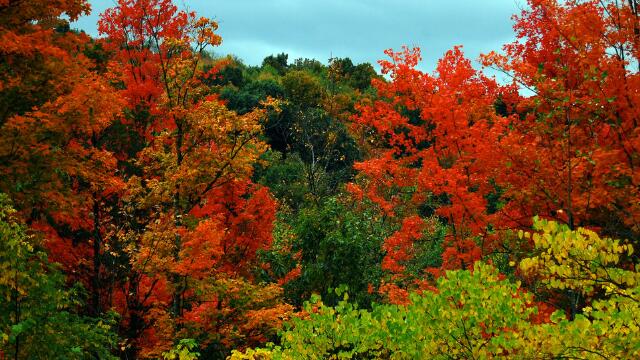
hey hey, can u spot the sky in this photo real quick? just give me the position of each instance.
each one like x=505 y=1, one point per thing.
x=358 y=29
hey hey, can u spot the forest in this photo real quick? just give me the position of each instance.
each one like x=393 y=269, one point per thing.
x=158 y=201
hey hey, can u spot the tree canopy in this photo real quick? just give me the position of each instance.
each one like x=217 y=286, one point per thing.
x=159 y=201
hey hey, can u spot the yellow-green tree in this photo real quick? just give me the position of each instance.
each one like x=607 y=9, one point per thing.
x=480 y=314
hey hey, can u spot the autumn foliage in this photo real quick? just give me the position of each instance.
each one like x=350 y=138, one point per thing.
x=429 y=129
x=137 y=177
x=486 y=159
x=159 y=201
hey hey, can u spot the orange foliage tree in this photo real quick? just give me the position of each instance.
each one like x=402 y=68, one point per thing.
x=435 y=139
x=484 y=158
x=56 y=111
x=198 y=219
x=574 y=153
x=36 y=52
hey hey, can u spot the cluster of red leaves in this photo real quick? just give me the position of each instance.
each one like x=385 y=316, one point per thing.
x=439 y=137
x=398 y=246
x=239 y=223
x=579 y=138
x=569 y=151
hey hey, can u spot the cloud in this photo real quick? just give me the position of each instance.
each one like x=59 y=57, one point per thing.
x=359 y=29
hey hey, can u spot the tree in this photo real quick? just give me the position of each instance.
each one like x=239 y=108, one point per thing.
x=435 y=142
x=577 y=135
x=567 y=152
x=36 y=51
x=39 y=318
x=302 y=89
x=250 y=96
x=277 y=62
x=357 y=76
x=192 y=215
x=339 y=245
x=55 y=162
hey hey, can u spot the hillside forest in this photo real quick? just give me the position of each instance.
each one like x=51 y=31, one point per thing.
x=158 y=201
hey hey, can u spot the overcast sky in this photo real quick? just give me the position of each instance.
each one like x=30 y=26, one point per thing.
x=359 y=29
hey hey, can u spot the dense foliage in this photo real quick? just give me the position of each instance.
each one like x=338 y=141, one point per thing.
x=158 y=201
x=481 y=314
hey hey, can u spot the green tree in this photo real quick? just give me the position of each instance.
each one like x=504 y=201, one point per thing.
x=340 y=244
x=342 y=70
x=312 y=65
x=302 y=89
x=327 y=149
x=284 y=177
x=248 y=97
x=277 y=62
